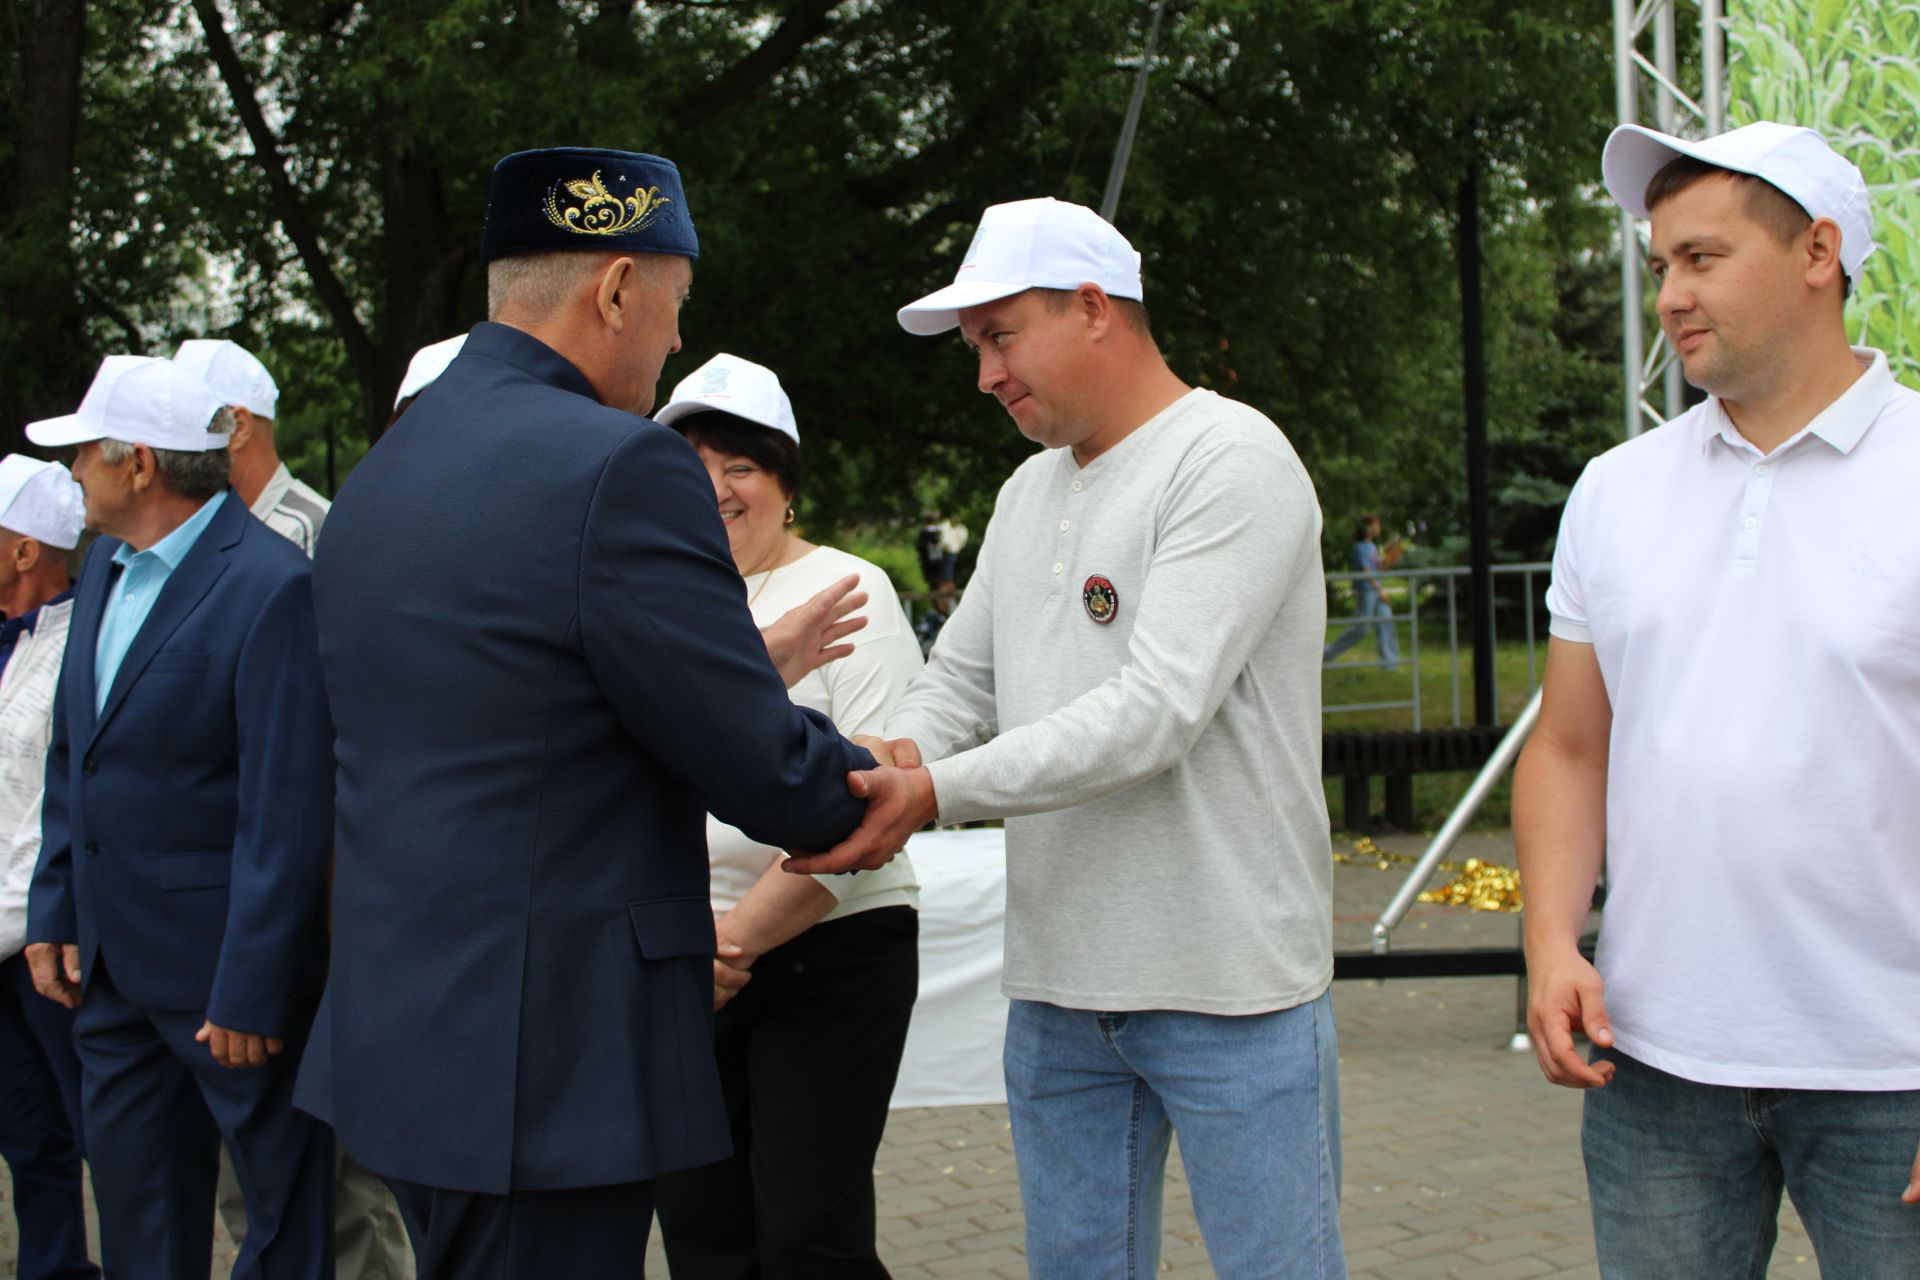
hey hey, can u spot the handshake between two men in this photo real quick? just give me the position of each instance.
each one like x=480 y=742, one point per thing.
x=898 y=792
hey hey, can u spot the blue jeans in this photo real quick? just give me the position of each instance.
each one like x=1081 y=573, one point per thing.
x=1368 y=604
x=1686 y=1178
x=1095 y=1098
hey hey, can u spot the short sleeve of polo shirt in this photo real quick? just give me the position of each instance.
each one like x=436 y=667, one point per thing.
x=1566 y=601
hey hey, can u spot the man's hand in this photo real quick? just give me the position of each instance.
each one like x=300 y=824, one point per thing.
x=730 y=965
x=806 y=636
x=900 y=801
x=1912 y=1194
x=56 y=971
x=901 y=753
x=237 y=1048
x=1564 y=998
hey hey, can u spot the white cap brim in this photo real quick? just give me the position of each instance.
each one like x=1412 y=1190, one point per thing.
x=940 y=310
x=58 y=433
x=1633 y=155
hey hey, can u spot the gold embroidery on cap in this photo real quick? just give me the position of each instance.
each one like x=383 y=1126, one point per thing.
x=600 y=212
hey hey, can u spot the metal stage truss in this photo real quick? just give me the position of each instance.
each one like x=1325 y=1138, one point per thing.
x=1642 y=81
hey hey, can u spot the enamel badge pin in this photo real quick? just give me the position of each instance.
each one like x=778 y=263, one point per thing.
x=1101 y=600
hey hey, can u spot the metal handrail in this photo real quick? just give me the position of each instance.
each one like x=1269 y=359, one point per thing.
x=1449 y=574
x=1450 y=831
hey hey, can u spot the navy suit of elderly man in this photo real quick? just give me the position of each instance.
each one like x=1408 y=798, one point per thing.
x=179 y=900
x=543 y=674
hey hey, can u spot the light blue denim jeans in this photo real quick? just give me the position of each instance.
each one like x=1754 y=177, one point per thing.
x=1686 y=1178
x=1096 y=1097
x=1368 y=604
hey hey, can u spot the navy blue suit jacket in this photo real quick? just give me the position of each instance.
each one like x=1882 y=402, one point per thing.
x=186 y=826
x=543 y=674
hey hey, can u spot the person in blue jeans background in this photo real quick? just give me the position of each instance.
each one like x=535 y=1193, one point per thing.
x=1368 y=557
x=1728 y=726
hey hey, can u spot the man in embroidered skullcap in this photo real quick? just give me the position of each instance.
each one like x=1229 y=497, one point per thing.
x=536 y=705
x=285 y=504
x=179 y=900
x=40 y=521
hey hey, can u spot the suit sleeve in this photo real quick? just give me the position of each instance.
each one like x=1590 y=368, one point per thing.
x=665 y=627
x=50 y=909
x=284 y=826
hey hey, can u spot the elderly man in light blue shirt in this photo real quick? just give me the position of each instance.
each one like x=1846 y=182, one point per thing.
x=130 y=599
x=179 y=900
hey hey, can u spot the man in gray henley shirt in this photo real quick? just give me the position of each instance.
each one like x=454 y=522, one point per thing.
x=1132 y=680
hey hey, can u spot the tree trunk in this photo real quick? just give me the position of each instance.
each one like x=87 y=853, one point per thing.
x=41 y=316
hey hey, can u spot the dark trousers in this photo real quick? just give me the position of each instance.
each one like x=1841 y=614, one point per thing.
x=40 y=1128
x=598 y=1232
x=157 y=1107
x=796 y=1198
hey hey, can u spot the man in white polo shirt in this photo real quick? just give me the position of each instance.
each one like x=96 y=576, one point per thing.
x=283 y=503
x=1132 y=679
x=1732 y=724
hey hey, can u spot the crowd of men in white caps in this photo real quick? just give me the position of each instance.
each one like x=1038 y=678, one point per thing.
x=522 y=666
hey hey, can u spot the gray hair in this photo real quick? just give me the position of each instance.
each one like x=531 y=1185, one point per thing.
x=538 y=282
x=190 y=473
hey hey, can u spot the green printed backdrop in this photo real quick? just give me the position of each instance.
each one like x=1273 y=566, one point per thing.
x=1850 y=69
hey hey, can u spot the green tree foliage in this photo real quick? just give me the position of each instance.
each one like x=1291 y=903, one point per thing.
x=1292 y=190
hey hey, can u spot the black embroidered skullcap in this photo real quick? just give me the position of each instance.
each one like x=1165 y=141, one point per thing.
x=564 y=198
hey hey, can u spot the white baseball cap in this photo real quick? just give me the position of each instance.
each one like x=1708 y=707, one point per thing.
x=41 y=500
x=1798 y=161
x=1030 y=244
x=428 y=363
x=139 y=400
x=732 y=385
x=233 y=372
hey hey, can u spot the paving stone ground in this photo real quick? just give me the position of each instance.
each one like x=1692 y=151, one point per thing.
x=1460 y=1160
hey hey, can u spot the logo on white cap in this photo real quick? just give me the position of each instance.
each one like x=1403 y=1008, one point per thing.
x=1795 y=160
x=41 y=501
x=1030 y=244
x=732 y=385
x=233 y=372
x=139 y=400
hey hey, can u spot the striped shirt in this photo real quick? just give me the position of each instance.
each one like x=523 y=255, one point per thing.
x=291 y=509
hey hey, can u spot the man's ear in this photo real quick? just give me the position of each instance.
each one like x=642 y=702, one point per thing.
x=613 y=294
x=1095 y=308
x=1822 y=251
x=26 y=554
x=145 y=470
x=242 y=434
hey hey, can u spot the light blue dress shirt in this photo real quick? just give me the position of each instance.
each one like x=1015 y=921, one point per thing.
x=130 y=599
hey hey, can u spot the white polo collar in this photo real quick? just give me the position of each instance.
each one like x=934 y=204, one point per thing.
x=1841 y=424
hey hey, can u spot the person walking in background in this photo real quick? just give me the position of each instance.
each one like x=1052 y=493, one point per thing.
x=179 y=901
x=816 y=976
x=41 y=515
x=1729 y=727
x=1367 y=558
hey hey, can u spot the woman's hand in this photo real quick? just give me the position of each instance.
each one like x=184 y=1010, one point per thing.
x=806 y=636
x=730 y=965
